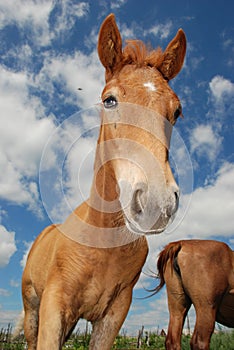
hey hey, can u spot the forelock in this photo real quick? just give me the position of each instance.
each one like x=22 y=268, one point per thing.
x=137 y=53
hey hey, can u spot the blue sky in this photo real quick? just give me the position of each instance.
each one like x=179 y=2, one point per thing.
x=48 y=51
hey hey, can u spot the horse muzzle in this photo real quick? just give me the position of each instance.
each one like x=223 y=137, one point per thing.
x=148 y=210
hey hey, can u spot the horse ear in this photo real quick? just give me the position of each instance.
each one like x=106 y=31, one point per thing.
x=110 y=45
x=174 y=56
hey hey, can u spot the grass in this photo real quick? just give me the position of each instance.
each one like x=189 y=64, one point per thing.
x=219 y=341
x=222 y=341
x=79 y=341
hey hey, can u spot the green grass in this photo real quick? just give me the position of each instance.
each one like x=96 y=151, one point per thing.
x=222 y=341
x=219 y=341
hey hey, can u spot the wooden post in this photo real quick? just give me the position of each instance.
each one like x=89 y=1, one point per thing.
x=140 y=335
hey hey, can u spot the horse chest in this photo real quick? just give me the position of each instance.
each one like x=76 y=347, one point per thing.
x=104 y=284
x=97 y=301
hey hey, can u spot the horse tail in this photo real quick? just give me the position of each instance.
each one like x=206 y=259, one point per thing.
x=19 y=325
x=170 y=252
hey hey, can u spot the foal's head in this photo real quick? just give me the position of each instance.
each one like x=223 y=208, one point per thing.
x=139 y=109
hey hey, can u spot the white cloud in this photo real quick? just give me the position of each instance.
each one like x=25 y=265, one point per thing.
x=69 y=12
x=28 y=14
x=23 y=261
x=26 y=128
x=208 y=215
x=80 y=170
x=161 y=30
x=135 y=31
x=91 y=39
x=205 y=141
x=73 y=72
x=7 y=245
x=66 y=172
x=117 y=4
x=21 y=55
x=34 y=17
x=127 y=32
x=4 y=292
x=221 y=104
x=8 y=317
x=14 y=283
x=22 y=138
x=193 y=59
x=152 y=315
x=222 y=98
x=212 y=207
x=221 y=89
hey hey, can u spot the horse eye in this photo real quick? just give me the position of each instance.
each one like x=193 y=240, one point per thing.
x=178 y=112
x=110 y=102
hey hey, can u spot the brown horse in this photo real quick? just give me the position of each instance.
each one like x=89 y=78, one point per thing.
x=198 y=272
x=88 y=266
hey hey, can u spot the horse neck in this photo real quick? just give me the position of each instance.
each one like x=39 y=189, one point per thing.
x=99 y=221
x=103 y=203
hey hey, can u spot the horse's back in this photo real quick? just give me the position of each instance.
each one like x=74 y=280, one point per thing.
x=209 y=257
x=184 y=256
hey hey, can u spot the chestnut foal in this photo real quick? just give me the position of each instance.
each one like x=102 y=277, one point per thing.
x=87 y=267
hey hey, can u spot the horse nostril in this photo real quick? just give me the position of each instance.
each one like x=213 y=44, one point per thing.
x=137 y=202
x=176 y=200
x=172 y=209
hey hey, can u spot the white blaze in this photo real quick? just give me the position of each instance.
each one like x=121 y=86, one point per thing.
x=150 y=86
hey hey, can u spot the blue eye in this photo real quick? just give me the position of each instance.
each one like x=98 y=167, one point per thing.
x=110 y=102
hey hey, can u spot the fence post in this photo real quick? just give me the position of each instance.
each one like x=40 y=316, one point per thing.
x=139 y=339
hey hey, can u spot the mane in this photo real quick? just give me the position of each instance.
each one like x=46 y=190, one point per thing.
x=136 y=52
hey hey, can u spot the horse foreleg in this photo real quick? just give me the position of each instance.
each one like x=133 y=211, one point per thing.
x=30 y=328
x=55 y=320
x=31 y=309
x=204 y=327
x=106 y=329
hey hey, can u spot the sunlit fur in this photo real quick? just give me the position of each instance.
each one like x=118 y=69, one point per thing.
x=65 y=280
x=136 y=52
x=198 y=272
